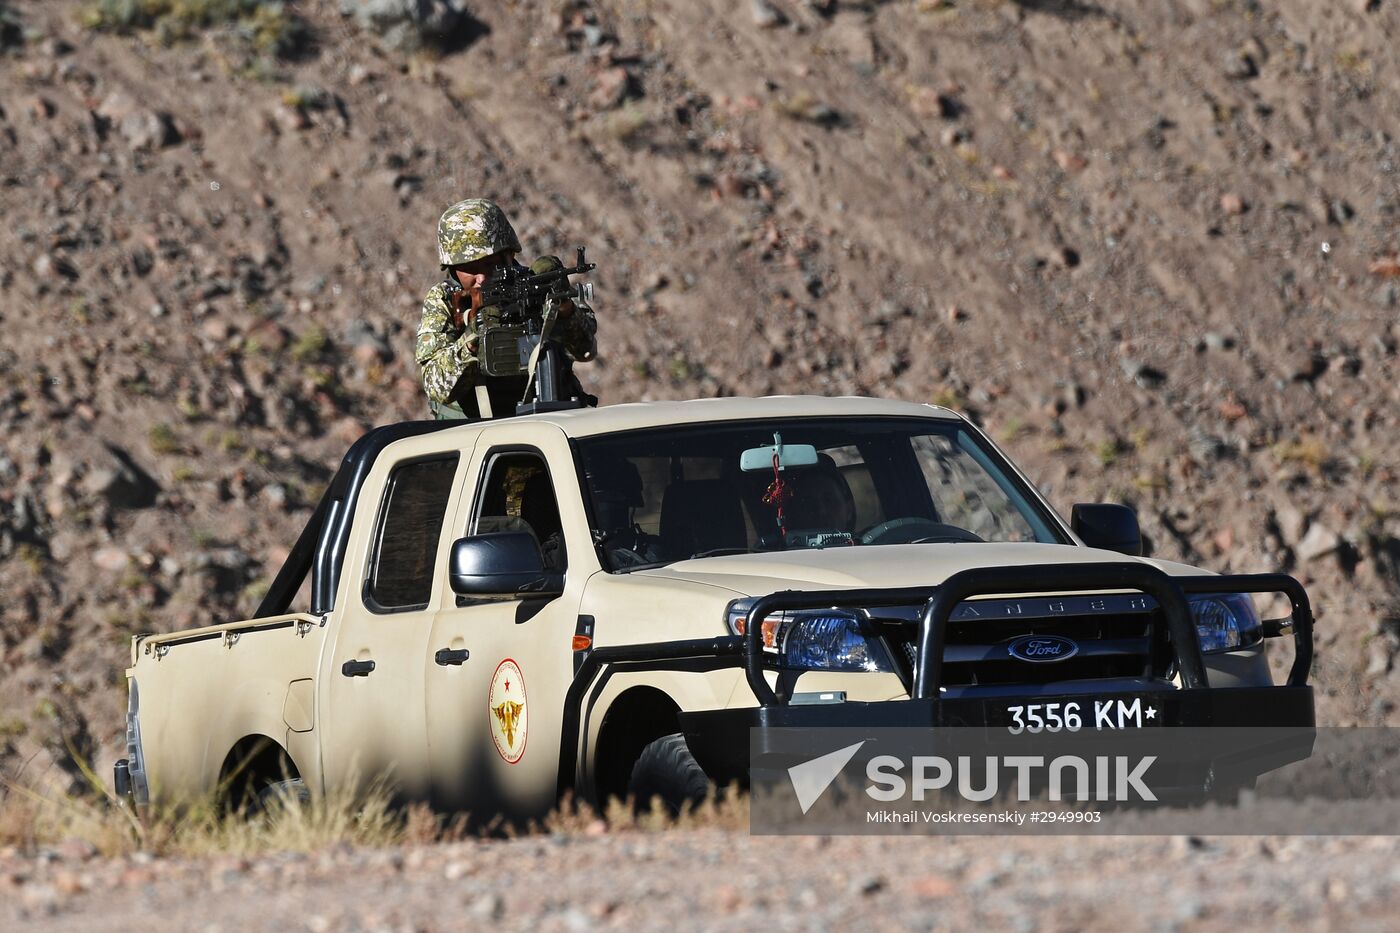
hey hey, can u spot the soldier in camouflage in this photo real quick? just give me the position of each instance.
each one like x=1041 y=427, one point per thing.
x=474 y=240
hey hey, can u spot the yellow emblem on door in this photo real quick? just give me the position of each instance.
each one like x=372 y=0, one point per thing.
x=507 y=711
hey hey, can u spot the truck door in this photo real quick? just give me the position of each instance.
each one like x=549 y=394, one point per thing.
x=371 y=705
x=497 y=670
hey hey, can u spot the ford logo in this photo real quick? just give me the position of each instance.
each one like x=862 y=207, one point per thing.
x=1042 y=648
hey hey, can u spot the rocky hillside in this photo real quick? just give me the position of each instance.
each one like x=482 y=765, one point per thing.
x=1153 y=248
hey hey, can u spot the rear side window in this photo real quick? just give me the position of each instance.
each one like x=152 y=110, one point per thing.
x=405 y=546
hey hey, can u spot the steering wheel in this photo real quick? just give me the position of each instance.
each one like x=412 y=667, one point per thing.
x=912 y=529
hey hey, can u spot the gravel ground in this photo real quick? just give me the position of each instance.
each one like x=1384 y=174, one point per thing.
x=693 y=879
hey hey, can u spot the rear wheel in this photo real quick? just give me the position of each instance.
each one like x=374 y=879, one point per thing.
x=667 y=770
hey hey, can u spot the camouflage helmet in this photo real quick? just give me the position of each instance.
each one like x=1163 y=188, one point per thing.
x=474 y=229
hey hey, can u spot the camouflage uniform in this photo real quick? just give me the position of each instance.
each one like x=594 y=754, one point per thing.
x=471 y=230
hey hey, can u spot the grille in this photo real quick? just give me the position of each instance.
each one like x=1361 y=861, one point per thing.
x=1123 y=637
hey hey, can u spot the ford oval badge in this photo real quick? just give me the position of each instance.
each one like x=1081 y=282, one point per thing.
x=1040 y=649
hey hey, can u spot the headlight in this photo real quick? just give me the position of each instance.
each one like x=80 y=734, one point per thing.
x=831 y=641
x=1225 y=622
x=815 y=641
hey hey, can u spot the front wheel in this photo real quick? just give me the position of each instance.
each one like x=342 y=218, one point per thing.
x=283 y=795
x=667 y=770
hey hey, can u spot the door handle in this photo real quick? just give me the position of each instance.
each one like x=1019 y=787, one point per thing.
x=446 y=656
x=357 y=668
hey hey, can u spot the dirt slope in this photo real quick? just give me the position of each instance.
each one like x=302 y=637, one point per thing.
x=1150 y=246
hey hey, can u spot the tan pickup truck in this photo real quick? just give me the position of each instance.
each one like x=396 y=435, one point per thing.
x=608 y=600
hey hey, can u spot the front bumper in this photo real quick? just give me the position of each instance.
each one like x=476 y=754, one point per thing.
x=720 y=739
x=723 y=743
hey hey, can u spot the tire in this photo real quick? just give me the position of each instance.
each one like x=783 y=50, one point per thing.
x=667 y=770
x=283 y=795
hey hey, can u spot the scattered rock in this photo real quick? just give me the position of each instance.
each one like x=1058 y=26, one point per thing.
x=1318 y=542
x=1305 y=365
x=110 y=559
x=148 y=129
x=611 y=88
x=1291 y=524
x=120 y=482
x=949 y=107
x=1205 y=447
x=933 y=887
x=489 y=906
x=359 y=335
x=867 y=885
x=116 y=106
x=76 y=850
x=411 y=25
x=955 y=136
x=217 y=329
x=49 y=265
x=1146 y=376
x=765 y=15
x=11 y=33
x=1231 y=409
x=1380 y=655
x=1240 y=65
x=804 y=106
x=1069 y=161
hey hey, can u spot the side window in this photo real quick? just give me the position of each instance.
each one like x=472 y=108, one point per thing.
x=405 y=545
x=518 y=496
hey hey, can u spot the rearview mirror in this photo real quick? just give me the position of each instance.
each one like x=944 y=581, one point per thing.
x=1111 y=527
x=506 y=563
x=757 y=459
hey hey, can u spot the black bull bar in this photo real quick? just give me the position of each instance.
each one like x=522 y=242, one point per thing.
x=938 y=604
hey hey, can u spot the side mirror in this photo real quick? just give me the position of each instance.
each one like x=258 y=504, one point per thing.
x=506 y=563
x=1111 y=527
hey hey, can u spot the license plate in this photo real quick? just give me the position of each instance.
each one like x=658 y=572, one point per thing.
x=1087 y=715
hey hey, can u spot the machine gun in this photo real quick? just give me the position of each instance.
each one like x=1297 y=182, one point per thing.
x=516 y=340
x=515 y=288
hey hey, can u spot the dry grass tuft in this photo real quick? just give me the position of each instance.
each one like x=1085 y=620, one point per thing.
x=725 y=809
x=1307 y=450
x=31 y=820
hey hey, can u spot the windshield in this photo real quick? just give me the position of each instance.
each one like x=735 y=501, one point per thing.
x=668 y=494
